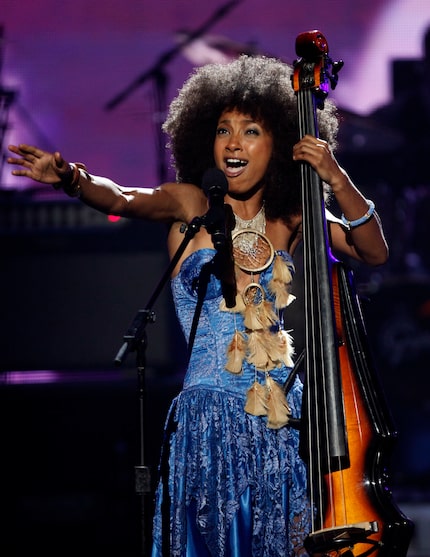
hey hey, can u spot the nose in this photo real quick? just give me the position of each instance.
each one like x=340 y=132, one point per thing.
x=234 y=143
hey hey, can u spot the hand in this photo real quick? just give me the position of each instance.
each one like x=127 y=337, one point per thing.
x=318 y=154
x=42 y=166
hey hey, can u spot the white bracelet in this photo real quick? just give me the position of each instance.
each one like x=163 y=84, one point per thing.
x=366 y=217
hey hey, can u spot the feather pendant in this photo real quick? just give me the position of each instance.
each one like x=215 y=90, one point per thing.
x=281 y=271
x=240 y=304
x=267 y=315
x=278 y=411
x=286 y=348
x=251 y=318
x=280 y=291
x=256 y=400
x=270 y=343
x=279 y=285
x=257 y=353
x=236 y=353
x=237 y=308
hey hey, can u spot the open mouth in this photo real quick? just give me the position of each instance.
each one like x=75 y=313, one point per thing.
x=236 y=163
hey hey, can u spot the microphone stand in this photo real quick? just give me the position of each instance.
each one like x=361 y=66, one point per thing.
x=170 y=54
x=135 y=340
x=158 y=74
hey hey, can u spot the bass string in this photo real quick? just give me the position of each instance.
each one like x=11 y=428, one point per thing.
x=316 y=384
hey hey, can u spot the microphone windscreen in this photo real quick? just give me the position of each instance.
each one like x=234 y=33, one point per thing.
x=214 y=178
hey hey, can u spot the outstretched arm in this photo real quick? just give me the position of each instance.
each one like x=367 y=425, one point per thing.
x=167 y=203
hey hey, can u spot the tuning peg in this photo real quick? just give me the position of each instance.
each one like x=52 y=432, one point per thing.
x=337 y=66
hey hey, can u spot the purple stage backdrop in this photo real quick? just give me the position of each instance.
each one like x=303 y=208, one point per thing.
x=67 y=61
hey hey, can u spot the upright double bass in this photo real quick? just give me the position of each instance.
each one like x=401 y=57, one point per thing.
x=346 y=429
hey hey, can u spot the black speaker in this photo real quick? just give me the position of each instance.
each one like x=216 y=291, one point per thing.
x=68 y=298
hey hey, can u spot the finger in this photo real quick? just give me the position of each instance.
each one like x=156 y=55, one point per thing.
x=11 y=160
x=17 y=151
x=29 y=149
x=21 y=173
x=304 y=149
x=59 y=161
x=20 y=161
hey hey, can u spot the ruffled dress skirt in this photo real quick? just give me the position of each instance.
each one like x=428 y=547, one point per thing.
x=229 y=486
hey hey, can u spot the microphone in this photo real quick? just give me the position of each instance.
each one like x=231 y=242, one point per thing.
x=215 y=186
x=219 y=222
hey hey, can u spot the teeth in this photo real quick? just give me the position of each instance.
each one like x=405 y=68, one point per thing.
x=236 y=162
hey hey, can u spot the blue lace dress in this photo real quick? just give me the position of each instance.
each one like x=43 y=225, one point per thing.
x=229 y=485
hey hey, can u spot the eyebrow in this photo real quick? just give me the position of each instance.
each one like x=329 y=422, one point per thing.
x=245 y=120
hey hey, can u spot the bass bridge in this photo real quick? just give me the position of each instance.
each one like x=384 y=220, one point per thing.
x=331 y=542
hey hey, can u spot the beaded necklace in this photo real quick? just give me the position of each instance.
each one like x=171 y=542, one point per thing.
x=257 y=223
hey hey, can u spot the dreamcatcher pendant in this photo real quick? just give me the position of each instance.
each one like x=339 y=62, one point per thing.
x=262 y=344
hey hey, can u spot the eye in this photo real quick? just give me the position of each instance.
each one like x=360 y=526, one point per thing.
x=221 y=131
x=253 y=131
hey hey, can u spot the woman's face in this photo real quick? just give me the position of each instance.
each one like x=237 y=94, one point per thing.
x=242 y=150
